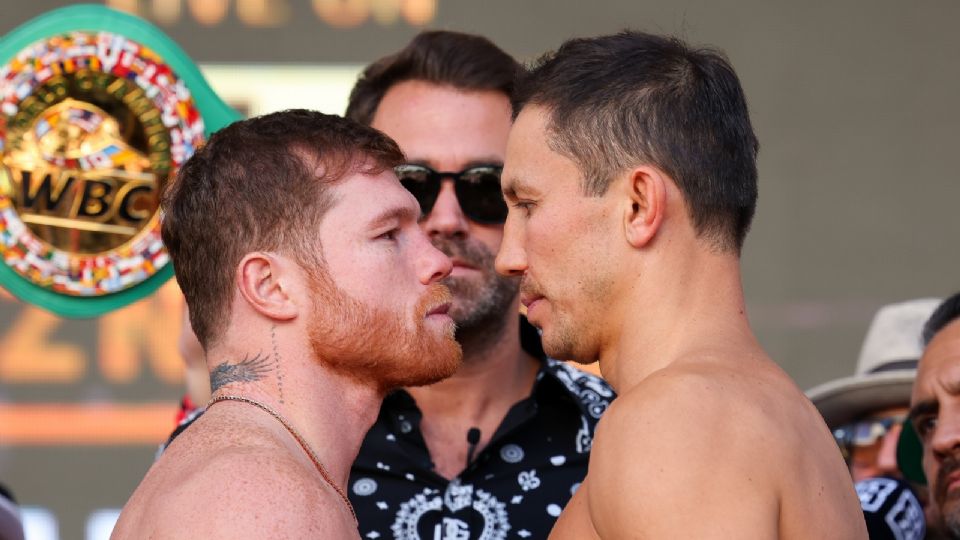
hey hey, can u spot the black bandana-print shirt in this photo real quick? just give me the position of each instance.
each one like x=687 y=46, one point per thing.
x=514 y=488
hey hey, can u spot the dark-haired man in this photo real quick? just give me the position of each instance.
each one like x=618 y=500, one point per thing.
x=935 y=413
x=313 y=292
x=496 y=450
x=631 y=181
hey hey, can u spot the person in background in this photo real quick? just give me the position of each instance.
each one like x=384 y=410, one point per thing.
x=313 y=293
x=935 y=417
x=631 y=182
x=866 y=411
x=499 y=448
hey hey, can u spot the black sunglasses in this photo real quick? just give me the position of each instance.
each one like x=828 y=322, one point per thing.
x=477 y=189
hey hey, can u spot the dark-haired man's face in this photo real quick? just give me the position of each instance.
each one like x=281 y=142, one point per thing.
x=935 y=412
x=558 y=240
x=450 y=130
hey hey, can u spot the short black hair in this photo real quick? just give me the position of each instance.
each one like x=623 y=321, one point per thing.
x=947 y=312
x=634 y=98
x=464 y=61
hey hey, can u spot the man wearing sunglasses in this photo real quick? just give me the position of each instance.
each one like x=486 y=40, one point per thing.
x=498 y=448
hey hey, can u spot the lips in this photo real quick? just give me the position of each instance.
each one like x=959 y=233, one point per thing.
x=529 y=299
x=460 y=263
x=529 y=292
x=952 y=483
x=948 y=478
x=436 y=302
x=440 y=309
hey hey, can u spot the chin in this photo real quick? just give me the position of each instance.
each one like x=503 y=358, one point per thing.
x=447 y=358
x=560 y=350
x=562 y=342
x=951 y=520
x=440 y=361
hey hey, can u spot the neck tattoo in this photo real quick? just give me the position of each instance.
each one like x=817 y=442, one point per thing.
x=296 y=435
x=276 y=361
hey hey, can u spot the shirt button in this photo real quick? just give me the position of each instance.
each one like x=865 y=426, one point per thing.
x=405 y=427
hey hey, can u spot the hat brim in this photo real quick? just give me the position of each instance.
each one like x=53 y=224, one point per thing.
x=845 y=400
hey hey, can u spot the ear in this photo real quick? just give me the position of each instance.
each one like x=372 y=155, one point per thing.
x=647 y=196
x=261 y=279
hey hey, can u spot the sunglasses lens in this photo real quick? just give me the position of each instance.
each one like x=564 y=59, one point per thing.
x=478 y=192
x=869 y=432
x=422 y=183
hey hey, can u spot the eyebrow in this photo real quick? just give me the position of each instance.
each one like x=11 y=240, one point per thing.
x=930 y=406
x=511 y=186
x=394 y=213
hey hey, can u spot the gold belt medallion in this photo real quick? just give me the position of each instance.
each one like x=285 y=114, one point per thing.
x=92 y=127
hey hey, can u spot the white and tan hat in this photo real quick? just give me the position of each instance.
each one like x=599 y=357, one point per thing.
x=886 y=367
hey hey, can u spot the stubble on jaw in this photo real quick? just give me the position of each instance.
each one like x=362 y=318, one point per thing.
x=950 y=517
x=481 y=307
x=564 y=342
x=572 y=336
x=581 y=288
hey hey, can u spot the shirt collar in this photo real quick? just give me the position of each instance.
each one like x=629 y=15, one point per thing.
x=550 y=387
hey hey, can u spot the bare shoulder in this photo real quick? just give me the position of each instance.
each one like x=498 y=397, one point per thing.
x=260 y=494
x=707 y=401
x=703 y=449
x=242 y=492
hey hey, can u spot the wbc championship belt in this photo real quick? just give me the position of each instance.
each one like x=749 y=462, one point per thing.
x=98 y=110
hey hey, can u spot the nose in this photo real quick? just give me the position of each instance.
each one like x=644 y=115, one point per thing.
x=887 y=456
x=946 y=434
x=512 y=257
x=433 y=264
x=446 y=218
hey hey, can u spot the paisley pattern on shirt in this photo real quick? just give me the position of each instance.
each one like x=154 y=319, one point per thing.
x=514 y=488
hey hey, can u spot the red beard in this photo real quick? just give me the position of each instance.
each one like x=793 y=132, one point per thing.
x=376 y=346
